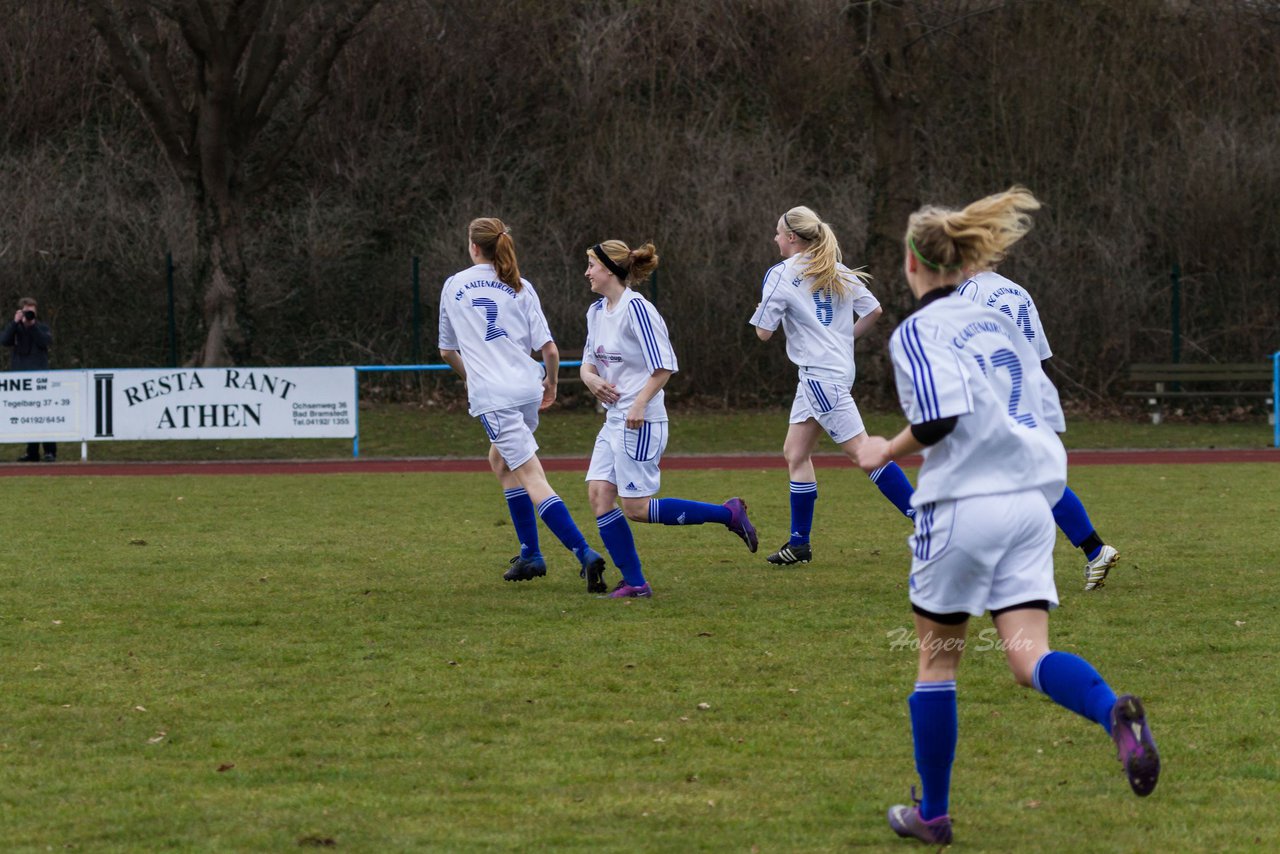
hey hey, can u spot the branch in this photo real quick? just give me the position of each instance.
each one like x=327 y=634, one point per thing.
x=320 y=64
x=132 y=66
x=949 y=24
x=182 y=120
x=243 y=24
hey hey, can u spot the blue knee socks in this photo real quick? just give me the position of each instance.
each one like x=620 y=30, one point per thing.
x=893 y=484
x=1072 y=683
x=616 y=534
x=556 y=517
x=525 y=521
x=1074 y=521
x=803 y=496
x=935 y=729
x=677 y=511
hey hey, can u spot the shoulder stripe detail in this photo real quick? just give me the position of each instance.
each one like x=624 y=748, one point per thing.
x=645 y=325
x=764 y=283
x=921 y=372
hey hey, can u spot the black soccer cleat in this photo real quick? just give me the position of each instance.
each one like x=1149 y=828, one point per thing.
x=593 y=571
x=789 y=555
x=523 y=569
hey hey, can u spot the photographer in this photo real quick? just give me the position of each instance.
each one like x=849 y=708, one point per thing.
x=30 y=340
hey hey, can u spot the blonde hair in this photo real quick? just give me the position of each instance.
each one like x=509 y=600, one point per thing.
x=638 y=263
x=491 y=235
x=823 y=252
x=975 y=238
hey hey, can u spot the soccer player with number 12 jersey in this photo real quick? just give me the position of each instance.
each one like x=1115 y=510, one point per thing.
x=985 y=417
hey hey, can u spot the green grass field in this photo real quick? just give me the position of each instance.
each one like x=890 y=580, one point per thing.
x=395 y=430
x=235 y=663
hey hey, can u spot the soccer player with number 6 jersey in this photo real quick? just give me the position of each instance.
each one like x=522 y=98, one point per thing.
x=985 y=417
x=490 y=321
x=815 y=298
x=626 y=364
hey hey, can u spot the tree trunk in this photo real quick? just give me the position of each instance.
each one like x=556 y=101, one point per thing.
x=894 y=195
x=222 y=279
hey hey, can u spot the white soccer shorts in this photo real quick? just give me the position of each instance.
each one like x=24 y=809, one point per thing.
x=629 y=458
x=511 y=432
x=831 y=405
x=983 y=553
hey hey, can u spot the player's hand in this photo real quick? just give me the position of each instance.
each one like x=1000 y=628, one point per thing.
x=872 y=453
x=548 y=394
x=604 y=392
x=635 y=416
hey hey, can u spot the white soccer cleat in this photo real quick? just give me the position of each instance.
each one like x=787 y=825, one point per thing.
x=1095 y=571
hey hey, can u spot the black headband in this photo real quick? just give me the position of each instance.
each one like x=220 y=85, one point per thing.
x=787 y=223
x=599 y=252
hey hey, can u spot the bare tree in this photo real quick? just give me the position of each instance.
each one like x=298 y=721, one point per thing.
x=227 y=86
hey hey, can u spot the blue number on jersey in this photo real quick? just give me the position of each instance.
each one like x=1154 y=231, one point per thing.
x=1008 y=360
x=1023 y=320
x=490 y=309
x=823 y=303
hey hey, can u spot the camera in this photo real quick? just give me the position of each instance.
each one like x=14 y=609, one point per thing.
x=29 y=314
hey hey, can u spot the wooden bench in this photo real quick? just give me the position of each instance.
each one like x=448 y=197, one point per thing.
x=1178 y=375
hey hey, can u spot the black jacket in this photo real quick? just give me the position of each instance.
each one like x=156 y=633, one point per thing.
x=30 y=345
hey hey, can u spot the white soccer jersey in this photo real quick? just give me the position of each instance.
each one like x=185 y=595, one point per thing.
x=495 y=328
x=995 y=291
x=818 y=326
x=626 y=344
x=952 y=357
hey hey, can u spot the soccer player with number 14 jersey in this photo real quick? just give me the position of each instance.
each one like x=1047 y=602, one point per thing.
x=986 y=418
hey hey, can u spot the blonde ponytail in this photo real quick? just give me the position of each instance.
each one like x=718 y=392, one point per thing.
x=823 y=253
x=975 y=238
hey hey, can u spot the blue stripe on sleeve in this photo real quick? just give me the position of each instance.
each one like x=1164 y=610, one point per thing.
x=922 y=373
x=764 y=283
x=648 y=339
x=916 y=370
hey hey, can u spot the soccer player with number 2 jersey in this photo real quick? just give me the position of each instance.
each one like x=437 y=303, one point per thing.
x=490 y=321
x=985 y=417
x=626 y=363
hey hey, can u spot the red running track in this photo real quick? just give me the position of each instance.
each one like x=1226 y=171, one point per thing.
x=669 y=463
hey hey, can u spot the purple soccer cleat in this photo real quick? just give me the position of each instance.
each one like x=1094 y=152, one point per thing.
x=906 y=821
x=1135 y=748
x=626 y=591
x=740 y=524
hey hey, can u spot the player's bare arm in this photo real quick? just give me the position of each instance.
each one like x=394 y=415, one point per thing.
x=655 y=383
x=551 y=365
x=877 y=451
x=603 y=390
x=864 y=323
x=453 y=358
